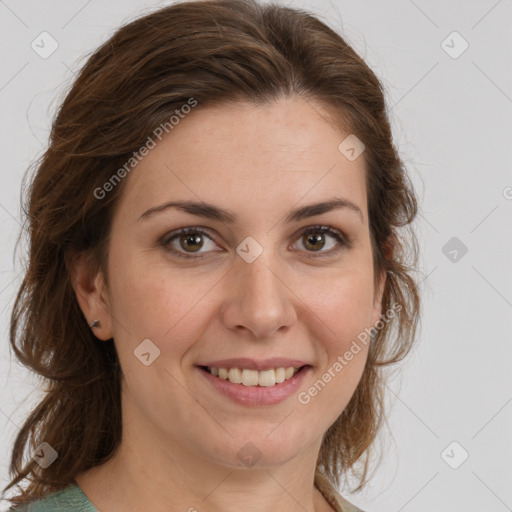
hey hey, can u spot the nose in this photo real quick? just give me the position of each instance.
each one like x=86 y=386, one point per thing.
x=258 y=299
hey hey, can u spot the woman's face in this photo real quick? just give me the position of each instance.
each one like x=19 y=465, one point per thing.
x=257 y=286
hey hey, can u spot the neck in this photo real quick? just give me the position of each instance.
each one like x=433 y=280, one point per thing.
x=151 y=471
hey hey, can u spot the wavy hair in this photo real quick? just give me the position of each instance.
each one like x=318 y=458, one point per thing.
x=215 y=51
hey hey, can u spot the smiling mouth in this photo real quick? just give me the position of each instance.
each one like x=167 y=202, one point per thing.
x=254 y=378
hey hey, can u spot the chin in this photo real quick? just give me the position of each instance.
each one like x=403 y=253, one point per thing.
x=259 y=451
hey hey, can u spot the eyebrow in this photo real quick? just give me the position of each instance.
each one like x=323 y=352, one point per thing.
x=210 y=211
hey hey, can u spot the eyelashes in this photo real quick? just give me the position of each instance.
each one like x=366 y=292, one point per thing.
x=186 y=235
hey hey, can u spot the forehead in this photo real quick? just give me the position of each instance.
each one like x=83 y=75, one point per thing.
x=254 y=157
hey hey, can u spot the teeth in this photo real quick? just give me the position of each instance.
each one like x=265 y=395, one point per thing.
x=254 y=377
x=280 y=374
x=249 y=377
x=267 y=378
x=235 y=375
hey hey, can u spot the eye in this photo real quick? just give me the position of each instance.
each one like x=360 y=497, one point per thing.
x=188 y=239
x=313 y=239
x=188 y=242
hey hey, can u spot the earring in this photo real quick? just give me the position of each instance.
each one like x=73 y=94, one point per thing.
x=95 y=324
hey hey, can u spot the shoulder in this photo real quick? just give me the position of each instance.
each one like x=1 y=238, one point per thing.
x=68 y=499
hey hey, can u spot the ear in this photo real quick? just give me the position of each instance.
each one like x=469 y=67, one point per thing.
x=92 y=294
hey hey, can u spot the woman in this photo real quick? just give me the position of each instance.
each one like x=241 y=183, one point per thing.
x=215 y=270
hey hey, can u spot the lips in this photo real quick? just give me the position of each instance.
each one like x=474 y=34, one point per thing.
x=255 y=395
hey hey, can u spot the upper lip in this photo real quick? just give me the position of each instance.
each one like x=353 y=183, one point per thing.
x=254 y=364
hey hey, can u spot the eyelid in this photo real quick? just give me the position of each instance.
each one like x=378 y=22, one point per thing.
x=344 y=241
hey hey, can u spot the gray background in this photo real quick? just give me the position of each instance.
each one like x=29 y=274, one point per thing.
x=451 y=115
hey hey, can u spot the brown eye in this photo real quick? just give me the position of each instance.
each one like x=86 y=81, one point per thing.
x=314 y=242
x=193 y=242
x=188 y=241
x=316 y=238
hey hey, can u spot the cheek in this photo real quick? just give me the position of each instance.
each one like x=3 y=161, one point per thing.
x=343 y=310
x=343 y=303
x=168 y=306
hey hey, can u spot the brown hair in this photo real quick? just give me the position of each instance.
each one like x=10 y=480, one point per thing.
x=215 y=52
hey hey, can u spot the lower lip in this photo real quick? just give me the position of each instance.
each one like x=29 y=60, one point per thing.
x=257 y=395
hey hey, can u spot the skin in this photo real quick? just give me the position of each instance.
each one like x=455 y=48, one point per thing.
x=181 y=436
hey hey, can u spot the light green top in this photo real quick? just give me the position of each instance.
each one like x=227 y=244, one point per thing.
x=68 y=499
x=72 y=499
